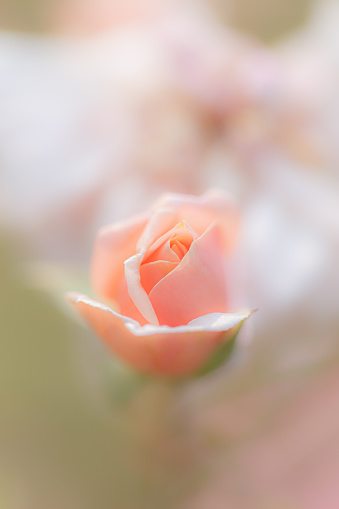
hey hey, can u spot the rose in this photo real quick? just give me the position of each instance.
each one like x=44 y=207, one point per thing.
x=164 y=271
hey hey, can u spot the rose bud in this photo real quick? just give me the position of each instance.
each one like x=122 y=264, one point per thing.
x=163 y=274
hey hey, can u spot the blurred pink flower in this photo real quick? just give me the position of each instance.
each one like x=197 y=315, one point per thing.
x=168 y=102
x=197 y=88
x=311 y=68
x=164 y=271
x=283 y=443
x=192 y=88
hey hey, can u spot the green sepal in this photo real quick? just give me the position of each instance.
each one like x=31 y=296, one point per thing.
x=221 y=355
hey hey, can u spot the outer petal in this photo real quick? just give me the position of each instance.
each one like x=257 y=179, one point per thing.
x=159 y=223
x=113 y=245
x=127 y=306
x=161 y=350
x=195 y=287
x=135 y=290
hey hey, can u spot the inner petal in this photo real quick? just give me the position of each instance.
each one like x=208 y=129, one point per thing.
x=151 y=273
x=180 y=243
x=172 y=246
x=196 y=287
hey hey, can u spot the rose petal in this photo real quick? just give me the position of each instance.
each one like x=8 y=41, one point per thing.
x=201 y=211
x=151 y=273
x=161 y=221
x=135 y=289
x=113 y=245
x=161 y=350
x=126 y=305
x=158 y=224
x=162 y=248
x=195 y=287
x=161 y=251
x=109 y=325
x=217 y=322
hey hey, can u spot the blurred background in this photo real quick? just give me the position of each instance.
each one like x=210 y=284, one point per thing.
x=103 y=105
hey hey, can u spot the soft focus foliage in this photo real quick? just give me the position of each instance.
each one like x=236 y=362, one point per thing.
x=103 y=107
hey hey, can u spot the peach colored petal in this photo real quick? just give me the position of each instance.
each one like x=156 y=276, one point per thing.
x=158 y=225
x=161 y=221
x=151 y=273
x=161 y=251
x=181 y=240
x=201 y=211
x=195 y=287
x=126 y=305
x=135 y=289
x=113 y=245
x=161 y=350
x=216 y=322
x=109 y=326
x=162 y=248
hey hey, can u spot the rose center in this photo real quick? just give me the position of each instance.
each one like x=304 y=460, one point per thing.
x=165 y=254
x=180 y=244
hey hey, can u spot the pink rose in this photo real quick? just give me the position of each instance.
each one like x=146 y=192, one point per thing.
x=164 y=272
